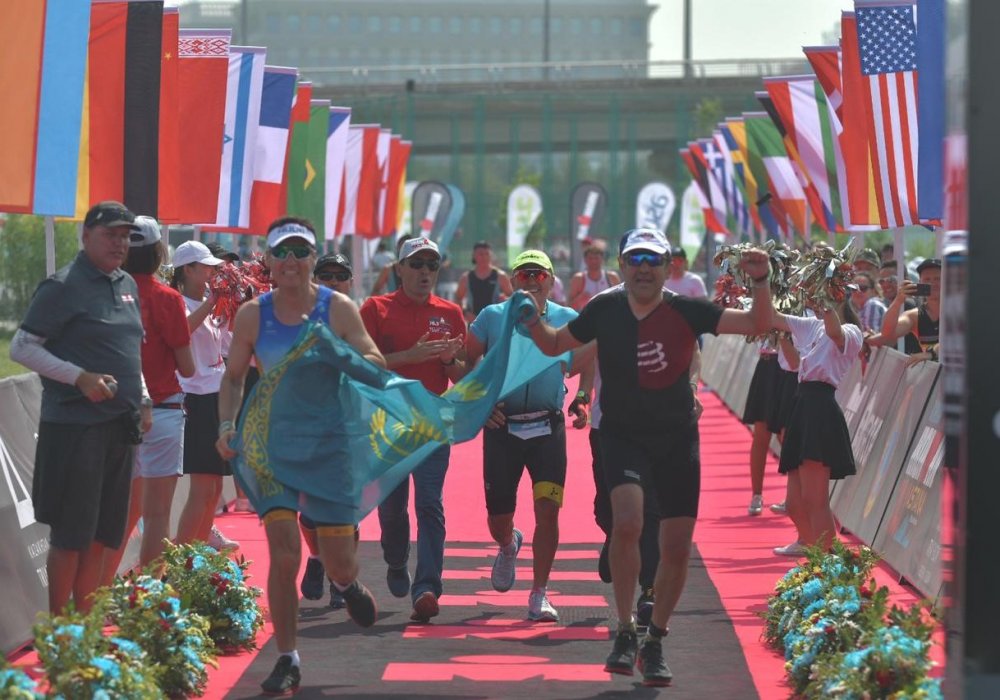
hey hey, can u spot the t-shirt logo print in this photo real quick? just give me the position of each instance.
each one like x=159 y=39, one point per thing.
x=650 y=356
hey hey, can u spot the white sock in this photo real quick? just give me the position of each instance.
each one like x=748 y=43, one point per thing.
x=340 y=587
x=293 y=655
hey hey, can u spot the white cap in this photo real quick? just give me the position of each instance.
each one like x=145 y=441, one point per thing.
x=145 y=231
x=415 y=245
x=194 y=252
x=290 y=230
x=644 y=239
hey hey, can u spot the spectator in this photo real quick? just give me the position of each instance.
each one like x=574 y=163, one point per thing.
x=193 y=266
x=421 y=336
x=83 y=334
x=888 y=254
x=594 y=278
x=388 y=278
x=867 y=305
x=484 y=284
x=681 y=280
x=922 y=321
x=334 y=271
x=867 y=261
x=166 y=352
x=267 y=327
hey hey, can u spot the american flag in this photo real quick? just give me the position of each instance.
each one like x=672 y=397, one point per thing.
x=887 y=42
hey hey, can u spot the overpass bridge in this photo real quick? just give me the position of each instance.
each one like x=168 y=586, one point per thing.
x=487 y=127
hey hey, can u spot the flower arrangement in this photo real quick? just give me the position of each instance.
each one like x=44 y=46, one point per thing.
x=214 y=586
x=839 y=640
x=15 y=684
x=175 y=639
x=82 y=663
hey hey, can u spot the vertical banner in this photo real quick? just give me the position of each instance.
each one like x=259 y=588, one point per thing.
x=586 y=209
x=692 y=220
x=654 y=207
x=431 y=206
x=453 y=220
x=524 y=206
x=406 y=223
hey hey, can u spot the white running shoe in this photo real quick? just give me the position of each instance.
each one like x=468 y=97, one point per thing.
x=504 y=571
x=795 y=549
x=779 y=508
x=539 y=607
x=756 y=505
x=218 y=541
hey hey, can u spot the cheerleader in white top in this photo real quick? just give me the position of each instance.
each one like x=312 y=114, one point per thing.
x=817 y=445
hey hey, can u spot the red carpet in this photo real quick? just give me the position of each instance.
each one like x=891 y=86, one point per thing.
x=735 y=548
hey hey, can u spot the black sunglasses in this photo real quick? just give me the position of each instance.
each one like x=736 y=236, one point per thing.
x=330 y=275
x=299 y=251
x=651 y=259
x=418 y=263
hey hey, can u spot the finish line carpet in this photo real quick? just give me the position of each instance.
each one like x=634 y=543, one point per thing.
x=482 y=645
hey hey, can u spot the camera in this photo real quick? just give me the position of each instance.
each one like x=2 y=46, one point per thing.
x=922 y=290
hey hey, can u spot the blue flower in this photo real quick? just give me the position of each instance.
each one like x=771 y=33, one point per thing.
x=108 y=667
x=127 y=646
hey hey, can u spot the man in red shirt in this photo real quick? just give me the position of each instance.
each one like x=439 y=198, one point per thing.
x=421 y=336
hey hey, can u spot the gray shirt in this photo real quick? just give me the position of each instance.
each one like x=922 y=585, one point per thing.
x=92 y=319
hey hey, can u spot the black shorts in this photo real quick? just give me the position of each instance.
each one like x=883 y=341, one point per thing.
x=505 y=456
x=83 y=474
x=201 y=430
x=668 y=463
x=817 y=432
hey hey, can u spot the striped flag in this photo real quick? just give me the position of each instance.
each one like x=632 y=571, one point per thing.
x=336 y=154
x=861 y=212
x=271 y=159
x=352 y=176
x=369 y=183
x=202 y=76
x=778 y=177
x=383 y=153
x=42 y=68
x=732 y=188
x=734 y=132
x=887 y=46
x=825 y=62
x=694 y=159
x=243 y=98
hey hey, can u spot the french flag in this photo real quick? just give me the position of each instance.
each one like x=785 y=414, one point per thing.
x=270 y=157
x=243 y=104
x=336 y=155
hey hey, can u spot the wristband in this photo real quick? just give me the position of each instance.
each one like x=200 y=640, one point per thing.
x=583 y=397
x=760 y=281
x=226 y=426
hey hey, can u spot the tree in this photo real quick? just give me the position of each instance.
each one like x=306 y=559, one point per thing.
x=22 y=259
x=707 y=114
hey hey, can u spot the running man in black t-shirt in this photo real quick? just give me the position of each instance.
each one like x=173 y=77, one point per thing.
x=649 y=434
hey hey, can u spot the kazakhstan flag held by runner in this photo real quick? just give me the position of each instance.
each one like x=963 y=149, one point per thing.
x=343 y=433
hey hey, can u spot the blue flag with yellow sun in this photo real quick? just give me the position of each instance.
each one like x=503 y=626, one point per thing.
x=340 y=433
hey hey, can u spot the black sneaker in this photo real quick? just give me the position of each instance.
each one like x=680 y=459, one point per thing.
x=644 y=608
x=284 y=678
x=360 y=604
x=603 y=565
x=312 y=580
x=398 y=580
x=653 y=667
x=337 y=601
x=622 y=656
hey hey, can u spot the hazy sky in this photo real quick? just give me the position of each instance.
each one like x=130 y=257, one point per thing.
x=742 y=28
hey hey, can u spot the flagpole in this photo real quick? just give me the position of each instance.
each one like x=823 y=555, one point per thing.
x=899 y=254
x=50 y=246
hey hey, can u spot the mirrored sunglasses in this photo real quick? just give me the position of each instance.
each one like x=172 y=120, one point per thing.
x=299 y=251
x=418 y=263
x=532 y=274
x=651 y=259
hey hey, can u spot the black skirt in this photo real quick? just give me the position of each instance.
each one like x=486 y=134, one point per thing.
x=760 y=398
x=784 y=400
x=201 y=430
x=817 y=431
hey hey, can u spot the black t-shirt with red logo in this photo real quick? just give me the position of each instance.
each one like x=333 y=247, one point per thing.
x=644 y=364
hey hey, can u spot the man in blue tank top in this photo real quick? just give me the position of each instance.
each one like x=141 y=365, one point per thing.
x=266 y=328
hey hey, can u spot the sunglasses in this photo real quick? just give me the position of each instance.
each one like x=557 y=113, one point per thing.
x=527 y=275
x=329 y=276
x=651 y=259
x=298 y=251
x=887 y=280
x=418 y=263
x=863 y=287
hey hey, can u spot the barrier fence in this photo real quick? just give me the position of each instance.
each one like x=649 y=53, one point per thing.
x=25 y=543
x=894 y=416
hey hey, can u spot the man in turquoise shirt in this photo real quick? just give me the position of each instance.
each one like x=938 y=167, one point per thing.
x=528 y=430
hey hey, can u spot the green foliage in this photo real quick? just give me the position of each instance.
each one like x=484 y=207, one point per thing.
x=707 y=113
x=22 y=259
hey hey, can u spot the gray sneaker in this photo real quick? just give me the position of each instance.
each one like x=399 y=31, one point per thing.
x=539 y=607
x=504 y=572
x=756 y=505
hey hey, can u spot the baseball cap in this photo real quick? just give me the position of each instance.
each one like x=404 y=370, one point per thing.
x=415 y=245
x=109 y=213
x=678 y=252
x=220 y=252
x=869 y=256
x=290 y=230
x=333 y=259
x=146 y=232
x=533 y=257
x=194 y=252
x=644 y=239
x=928 y=262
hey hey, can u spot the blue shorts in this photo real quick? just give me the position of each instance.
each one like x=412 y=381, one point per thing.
x=162 y=450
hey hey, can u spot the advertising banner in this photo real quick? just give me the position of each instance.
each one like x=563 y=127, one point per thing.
x=654 y=207
x=524 y=206
x=431 y=205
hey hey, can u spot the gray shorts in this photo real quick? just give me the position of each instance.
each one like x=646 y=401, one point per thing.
x=162 y=450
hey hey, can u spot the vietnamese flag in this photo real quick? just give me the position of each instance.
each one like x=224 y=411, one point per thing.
x=203 y=69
